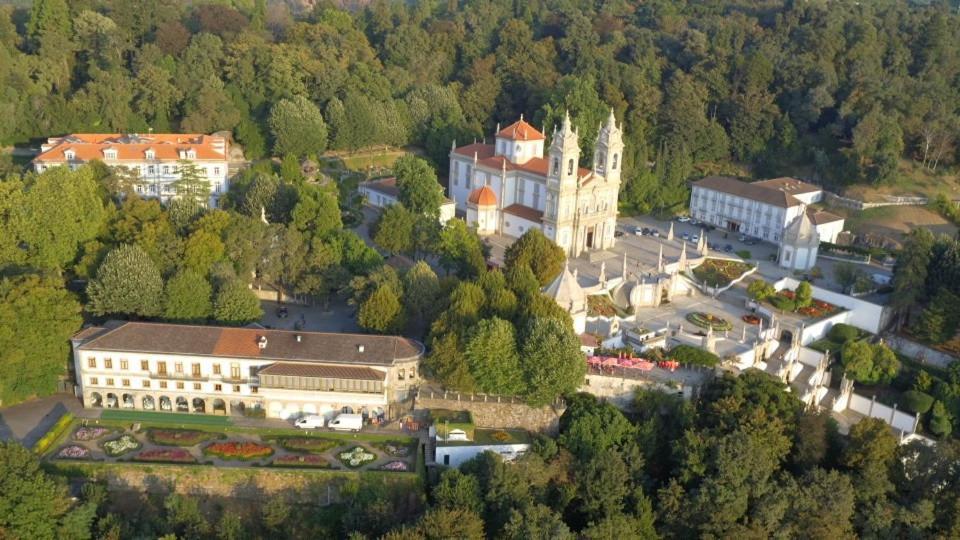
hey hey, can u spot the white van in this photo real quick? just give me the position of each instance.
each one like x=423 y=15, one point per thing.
x=346 y=422
x=310 y=422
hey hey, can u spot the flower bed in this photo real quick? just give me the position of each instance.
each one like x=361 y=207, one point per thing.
x=181 y=437
x=171 y=455
x=720 y=272
x=356 y=457
x=315 y=445
x=120 y=446
x=398 y=466
x=395 y=448
x=299 y=460
x=242 y=450
x=90 y=433
x=73 y=452
x=705 y=320
x=751 y=319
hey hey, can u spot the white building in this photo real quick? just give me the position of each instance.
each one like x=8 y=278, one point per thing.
x=799 y=245
x=573 y=206
x=568 y=294
x=216 y=370
x=760 y=209
x=456 y=451
x=383 y=192
x=155 y=159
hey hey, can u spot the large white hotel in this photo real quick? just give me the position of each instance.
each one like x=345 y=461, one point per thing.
x=218 y=370
x=155 y=158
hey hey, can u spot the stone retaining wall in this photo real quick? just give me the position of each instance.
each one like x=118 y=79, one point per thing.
x=494 y=414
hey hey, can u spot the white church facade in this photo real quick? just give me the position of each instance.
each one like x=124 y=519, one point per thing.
x=512 y=186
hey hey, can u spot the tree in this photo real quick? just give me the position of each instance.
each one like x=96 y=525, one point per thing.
x=187 y=297
x=297 y=128
x=458 y=490
x=857 y=358
x=804 y=294
x=620 y=526
x=127 y=283
x=37 y=318
x=941 y=423
x=317 y=212
x=424 y=287
x=460 y=249
x=759 y=290
x=847 y=275
x=590 y=426
x=536 y=522
x=236 y=305
x=49 y=28
x=192 y=183
x=910 y=272
x=381 y=313
x=417 y=183
x=491 y=352
x=551 y=360
x=442 y=523
x=869 y=454
x=445 y=362
x=535 y=250
x=394 y=229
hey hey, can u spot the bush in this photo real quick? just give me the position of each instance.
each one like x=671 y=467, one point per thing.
x=783 y=303
x=55 y=432
x=842 y=333
x=917 y=401
x=242 y=450
x=745 y=254
x=316 y=445
x=940 y=421
x=181 y=437
x=688 y=354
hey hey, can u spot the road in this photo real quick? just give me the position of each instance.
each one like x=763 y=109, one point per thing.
x=27 y=422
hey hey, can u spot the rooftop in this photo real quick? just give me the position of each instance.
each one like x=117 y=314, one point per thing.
x=749 y=190
x=787 y=184
x=324 y=372
x=162 y=338
x=521 y=131
x=525 y=212
x=492 y=437
x=133 y=147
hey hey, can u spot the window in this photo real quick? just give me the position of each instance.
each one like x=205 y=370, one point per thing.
x=151 y=154
x=614 y=166
x=151 y=169
x=124 y=364
x=93 y=380
x=254 y=389
x=179 y=386
x=413 y=373
x=216 y=171
x=109 y=381
x=556 y=166
x=401 y=374
x=234 y=371
x=144 y=365
x=70 y=155
x=108 y=363
x=162 y=368
x=236 y=388
x=163 y=384
x=91 y=362
x=196 y=386
x=570 y=167
x=125 y=382
x=146 y=383
x=139 y=188
x=178 y=367
x=218 y=388
x=166 y=169
x=216 y=187
x=196 y=370
x=216 y=369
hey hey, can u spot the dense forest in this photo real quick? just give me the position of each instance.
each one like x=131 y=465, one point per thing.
x=840 y=92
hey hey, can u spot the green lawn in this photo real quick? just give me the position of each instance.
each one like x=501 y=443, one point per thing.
x=121 y=415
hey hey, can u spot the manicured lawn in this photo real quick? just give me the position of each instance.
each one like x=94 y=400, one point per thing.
x=164 y=418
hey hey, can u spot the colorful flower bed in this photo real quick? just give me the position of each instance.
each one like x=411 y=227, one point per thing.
x=120 y=446
x=90 y=433
x=819 y=308
x=500 y=436
x=299 y=460
x=720 y=272
x=315 y=445
x=705 y=320
x=399 y=466
x=356 y=457
x=73 y=452
x=395 y=448
x=751 y=319
x=181 y=437
x=238 y=450
x=171 y=455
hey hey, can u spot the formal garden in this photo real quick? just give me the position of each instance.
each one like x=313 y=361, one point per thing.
x=224 y=446
x=799 y=301
x=708 y=321
x=720 y=272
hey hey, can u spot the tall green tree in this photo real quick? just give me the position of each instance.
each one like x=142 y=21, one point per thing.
x=420 y=192
x=551 y=360
x=910 y=273
x=538 y=252
x=381 y=313
x=187 y=297
x=235 y=304
x=297 y=127
x=192 y=183
x=127 y=283
x=491 y=352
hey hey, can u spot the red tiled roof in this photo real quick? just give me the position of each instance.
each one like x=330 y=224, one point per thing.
x=819 y=217
x=483 y=151
x=525 y=212
x=387 y=186
x=787 y=184
x=589 y=340
x=323 y=372
x=748 y=190
x=483 y=196
x=166 y=146
x=521 y=131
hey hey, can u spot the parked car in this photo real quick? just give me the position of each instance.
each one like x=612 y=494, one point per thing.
x=728 y=248
x=742 y=238
x=638 y=231
x=654 y=232
x=709 y=227
x=685 y=236
x=694 y=222
x=282 y=312
x=683 y=219
x=346 y=422
x=695 y=238
x=312 y=421
x=645 y=231
x=617 y=234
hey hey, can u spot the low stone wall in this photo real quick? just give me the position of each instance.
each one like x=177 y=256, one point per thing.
x=919 y=352
x=488 y=412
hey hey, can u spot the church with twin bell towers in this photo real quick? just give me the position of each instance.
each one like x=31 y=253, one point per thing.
x=510 y=186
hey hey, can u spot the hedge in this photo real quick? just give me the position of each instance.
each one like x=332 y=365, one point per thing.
x=55 y=432
x=782 y=303
x=842 y=333
x=688 y=354
x=917 y=401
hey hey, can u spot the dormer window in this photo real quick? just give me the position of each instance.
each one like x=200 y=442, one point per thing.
x=110 y=153
x=151 y=154
x=191 y=154
x=70 y=155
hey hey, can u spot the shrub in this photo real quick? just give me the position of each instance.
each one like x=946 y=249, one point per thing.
x=315 y=445
x=842 y=333
x=300 y=460
x=242 y=450
x=705 y=320
x=55 y=432
x=744 y=254
x=783 y=303
x=940 y=421
x=169 y=455
x=395 y=448
x=181 y=437
x=917 y=401
x=687 y=354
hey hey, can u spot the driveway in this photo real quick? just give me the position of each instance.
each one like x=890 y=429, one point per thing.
x=27 y=422
x=336 y=317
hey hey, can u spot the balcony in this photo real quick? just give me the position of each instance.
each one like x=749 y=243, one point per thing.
x=167 y=376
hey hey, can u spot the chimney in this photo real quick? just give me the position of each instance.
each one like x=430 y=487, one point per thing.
x=262 y=342
x=359 y=348
x=299 y=338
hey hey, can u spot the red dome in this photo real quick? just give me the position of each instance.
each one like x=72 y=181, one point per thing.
x=483 y=196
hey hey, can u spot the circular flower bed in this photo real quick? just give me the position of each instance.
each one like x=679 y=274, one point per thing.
x=705 y=320
x=356 y=457
x=238 y=450
x=399 y=466
x=180 y=437
x=73 y=452
x=751 y=319
x=119 y=447
x=90 y=433
x=172 y=455
x=298 y=460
